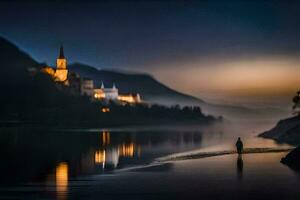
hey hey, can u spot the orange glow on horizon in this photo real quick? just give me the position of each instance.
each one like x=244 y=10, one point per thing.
x=260 y=75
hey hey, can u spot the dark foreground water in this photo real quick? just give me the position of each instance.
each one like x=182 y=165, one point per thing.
x=39 y=163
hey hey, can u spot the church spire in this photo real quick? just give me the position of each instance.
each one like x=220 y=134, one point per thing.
x=61 y=52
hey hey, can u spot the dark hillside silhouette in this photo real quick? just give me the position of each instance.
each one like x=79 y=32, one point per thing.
x=32 y=97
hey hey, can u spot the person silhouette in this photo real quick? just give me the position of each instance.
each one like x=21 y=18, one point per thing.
x=239 y=146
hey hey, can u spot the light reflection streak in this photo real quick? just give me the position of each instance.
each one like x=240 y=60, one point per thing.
x=100 y=157
x=126 y=150
x=61 y=176
x=109 y=154
x=105 y=138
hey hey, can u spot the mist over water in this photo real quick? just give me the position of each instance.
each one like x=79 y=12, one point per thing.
x=57 y=158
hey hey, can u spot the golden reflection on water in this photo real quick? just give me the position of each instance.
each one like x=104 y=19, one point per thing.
x=109 y=154
x=100 y=157
x=126 y=150
x=105 y=138
x=61 y=176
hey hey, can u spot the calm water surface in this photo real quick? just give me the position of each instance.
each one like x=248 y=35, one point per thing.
x=64 y=164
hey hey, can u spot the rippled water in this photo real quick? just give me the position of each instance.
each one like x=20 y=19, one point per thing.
x=46 y=163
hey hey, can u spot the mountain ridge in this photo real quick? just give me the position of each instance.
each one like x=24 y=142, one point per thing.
x=144 y=84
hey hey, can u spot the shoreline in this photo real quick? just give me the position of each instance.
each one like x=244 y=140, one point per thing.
x=200 y=155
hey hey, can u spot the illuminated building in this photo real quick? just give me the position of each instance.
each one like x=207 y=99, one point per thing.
x=130 y=98
x=106 y=93
x=48 y=70
x=113 y=94
x=99 y=94
x=110 y=93
x=60 y=74
x=87 y=87
x=105 y=110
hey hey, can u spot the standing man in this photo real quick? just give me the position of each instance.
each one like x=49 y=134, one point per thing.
x=239 y=146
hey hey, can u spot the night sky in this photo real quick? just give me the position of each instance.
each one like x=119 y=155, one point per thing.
x=204 y=46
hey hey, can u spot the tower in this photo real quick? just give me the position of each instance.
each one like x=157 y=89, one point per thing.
x=61 y=61
x=61 y=73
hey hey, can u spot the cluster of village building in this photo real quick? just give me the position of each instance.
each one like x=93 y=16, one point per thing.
x=85 y=86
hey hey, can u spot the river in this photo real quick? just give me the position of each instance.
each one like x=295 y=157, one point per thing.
x=45 y=163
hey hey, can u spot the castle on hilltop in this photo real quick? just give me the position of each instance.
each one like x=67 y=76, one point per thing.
x=85 y=86
x=108 y=93
x=113 y=94
x=60 y=74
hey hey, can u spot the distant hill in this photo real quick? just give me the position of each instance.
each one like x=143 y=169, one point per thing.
x=154 y=91
x=147 y=86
